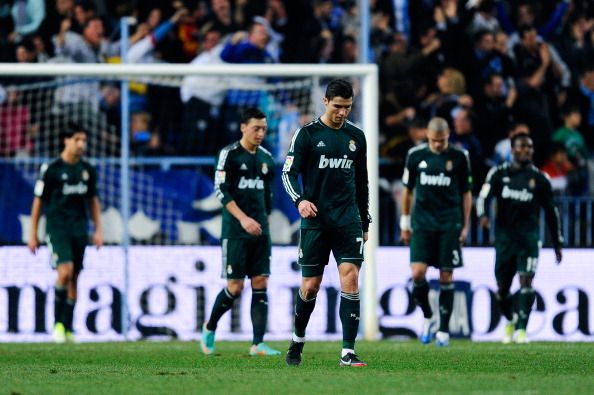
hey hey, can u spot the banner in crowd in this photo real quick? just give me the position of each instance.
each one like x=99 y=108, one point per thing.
x=172 y=289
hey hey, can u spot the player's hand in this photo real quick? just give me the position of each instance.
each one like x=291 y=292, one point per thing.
x=405 y=236
x=98 y=239
x=484 y=222
x=251 y=226
x=307 y=209
x=463 y=235
x=33 y=244
x=365 y=237
x=558 y=255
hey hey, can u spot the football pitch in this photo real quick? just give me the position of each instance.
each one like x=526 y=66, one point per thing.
x=394 y=367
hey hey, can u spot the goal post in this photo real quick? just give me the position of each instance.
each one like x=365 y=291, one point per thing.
x=366 y=98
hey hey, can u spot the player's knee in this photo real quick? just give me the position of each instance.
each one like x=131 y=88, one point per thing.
x=418 y=272
x=446 y=277
x=259 y=282
x=235 y=287
x=525 y=281
x=310 y=288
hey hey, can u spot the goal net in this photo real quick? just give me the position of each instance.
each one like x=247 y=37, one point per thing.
x=35 y=109
x=164 y=141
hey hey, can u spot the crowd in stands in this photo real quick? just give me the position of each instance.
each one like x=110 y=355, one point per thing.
x=491 y=68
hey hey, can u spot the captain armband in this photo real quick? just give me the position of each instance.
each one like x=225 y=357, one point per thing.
x=405 y=222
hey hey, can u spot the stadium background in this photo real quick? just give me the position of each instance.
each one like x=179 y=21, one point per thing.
x=413 y=48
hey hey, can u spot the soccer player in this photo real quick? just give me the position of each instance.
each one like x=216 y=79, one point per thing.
x=439 y=175
x=330 y=155
x=243 y=184
x=520 y=190
x=67 y=188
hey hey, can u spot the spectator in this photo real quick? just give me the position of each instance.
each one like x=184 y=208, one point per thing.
x=559 y=169
x=221 y=17
x=78 y=99
x=189 y=27
x=486 y=61
x=64 y=9
x=533 y=72
x=575 y=146
x=494 y=111
x=84 y=11
x=402 y=69
x=583 y=98
x=485 y=18
x=244 y=47
x=140 y=132
x=575 y=47
x=465 y=138
x=318 y=34
x=88 y=47
x=27 y=15
x=147 y=37
x=202 y=98
x=451 y=86
x=15 y=124
x=526 y=17
x=397 y=147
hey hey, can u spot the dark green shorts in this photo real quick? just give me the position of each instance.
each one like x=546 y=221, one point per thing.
x=440 y=249
x=246 y=257
x=346 y=244
x=67 y=248
x=515 y=255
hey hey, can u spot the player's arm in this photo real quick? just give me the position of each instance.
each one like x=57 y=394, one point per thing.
x=223 y=193
x=484 y=199
x=466 y=210
x=362 y=190
x=96 y=218
x=408 y=179
x=33 y=242
x=40 y=191
x=269 y=187
x=290 y=175
x=405 y=221
x=268 y=190
x=95 y=206
x=249 y=224
x=552 y=218
x=466 y=191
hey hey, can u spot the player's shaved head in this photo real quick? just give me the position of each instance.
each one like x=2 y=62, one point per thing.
x=439 y=125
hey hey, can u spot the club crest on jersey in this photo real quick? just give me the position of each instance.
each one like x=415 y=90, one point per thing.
x=352 y=145
x=85 y=175
x=531 y=183
x=64 y=176
x=449 y=165
x=264 y=168
x=288 y=163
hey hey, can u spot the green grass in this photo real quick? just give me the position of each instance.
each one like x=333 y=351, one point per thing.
x=394 y=367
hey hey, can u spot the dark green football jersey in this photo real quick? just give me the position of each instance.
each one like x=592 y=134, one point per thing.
x=245 y=178
x=65 y=190
x=439 y=181
x=520 y=193
x=333 y=168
